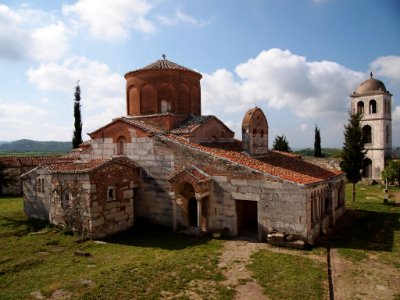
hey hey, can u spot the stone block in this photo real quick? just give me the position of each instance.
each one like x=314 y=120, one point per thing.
x=96 y=209
x=239 y=182
x=246 y=196
x=97 y=222
x=220 y=179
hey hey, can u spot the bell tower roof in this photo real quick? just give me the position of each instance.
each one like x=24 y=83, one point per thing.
x=371 y=86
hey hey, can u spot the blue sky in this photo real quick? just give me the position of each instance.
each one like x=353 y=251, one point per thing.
x=298 y=60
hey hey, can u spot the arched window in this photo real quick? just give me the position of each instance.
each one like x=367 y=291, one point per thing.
x=372 y=107
x=42 y=183
x=254 y=132
x=387 y=134
x=121 y=145
x=262 y=133
x=360 y=107
x=385 y=106
x=367 y=134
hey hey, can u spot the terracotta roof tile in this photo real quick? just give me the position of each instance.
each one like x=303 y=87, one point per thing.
x=191 y=124
x=142 y=124
x=10 y=161
x=162 y=64
x=274 y=163
x=197 y=173
x=85 y=166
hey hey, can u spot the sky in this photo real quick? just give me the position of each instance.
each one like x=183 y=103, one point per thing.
x=298 y=60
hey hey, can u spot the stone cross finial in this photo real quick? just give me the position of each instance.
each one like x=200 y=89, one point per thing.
x=370 y=74
x=164 y=57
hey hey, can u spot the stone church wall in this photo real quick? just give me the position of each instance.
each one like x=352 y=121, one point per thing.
x=36 y=200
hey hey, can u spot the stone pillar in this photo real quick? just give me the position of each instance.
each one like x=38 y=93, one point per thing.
x=174 y=220
x=199 y=213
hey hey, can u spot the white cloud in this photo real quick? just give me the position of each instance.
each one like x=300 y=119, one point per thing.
x=396 y=123
x=387 y=66
x=111 y=20
x=279 y=79
x=18 y=118
x=181 y=17
x=102 y=92
x=302 y=127
x=50 y=42
x=31 y=34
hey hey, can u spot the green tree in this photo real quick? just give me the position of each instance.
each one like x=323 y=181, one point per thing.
x=317 y=143
x=281 y=144
x=77 y=137
x=392 y=172
x=353 y=152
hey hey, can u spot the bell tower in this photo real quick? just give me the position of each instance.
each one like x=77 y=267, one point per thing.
x=373 y=102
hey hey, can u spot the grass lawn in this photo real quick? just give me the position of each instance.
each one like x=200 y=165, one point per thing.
x=149 y=262
x=145 y=263
x=287 y=276
x=372 y=227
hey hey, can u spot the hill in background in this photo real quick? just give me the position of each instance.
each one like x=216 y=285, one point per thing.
x=326 y=152
x=35 y=146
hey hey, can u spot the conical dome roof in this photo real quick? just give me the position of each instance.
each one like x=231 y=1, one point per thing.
x=163 y=64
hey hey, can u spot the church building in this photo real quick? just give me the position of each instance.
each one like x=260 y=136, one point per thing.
x=373 y=102
x=167 y=163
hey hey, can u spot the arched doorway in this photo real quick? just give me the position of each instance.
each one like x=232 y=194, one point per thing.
x=367 y=168
x=187 y=206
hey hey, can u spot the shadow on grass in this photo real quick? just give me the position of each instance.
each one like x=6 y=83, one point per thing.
x=148 y=235
x=365 y=230
x=18 y=227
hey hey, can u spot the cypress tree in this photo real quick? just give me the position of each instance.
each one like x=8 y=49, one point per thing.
x=281 y=144
x=353 y=152
x=317 y=143
x=77 y=137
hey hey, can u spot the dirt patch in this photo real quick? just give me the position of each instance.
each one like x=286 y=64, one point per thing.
x=367 y=279
x=233 y=261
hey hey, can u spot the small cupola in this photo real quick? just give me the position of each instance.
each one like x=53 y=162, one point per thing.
x=255 y=132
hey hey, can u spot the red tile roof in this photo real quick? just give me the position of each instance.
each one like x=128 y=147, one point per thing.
x=32 y=161
x=274 y=163
x=10 y=161
x=86 y=166
x=162 y=64
x=194 y=171
x=191 y=124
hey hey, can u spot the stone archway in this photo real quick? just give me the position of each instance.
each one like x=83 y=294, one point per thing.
x=189 y=190
x=367 y=168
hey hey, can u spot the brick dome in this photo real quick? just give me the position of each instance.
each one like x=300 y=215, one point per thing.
x=163 y=87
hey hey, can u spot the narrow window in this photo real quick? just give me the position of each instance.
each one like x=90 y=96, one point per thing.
x=65 y=198
x=372 y=107
x=42 y=188
x=111 y=195
x=121 y=145
x=387 y=134
x=360 y=107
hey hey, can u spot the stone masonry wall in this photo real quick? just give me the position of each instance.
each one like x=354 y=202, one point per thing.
x=107 y=215
x=36 y=201
x=70 y=202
